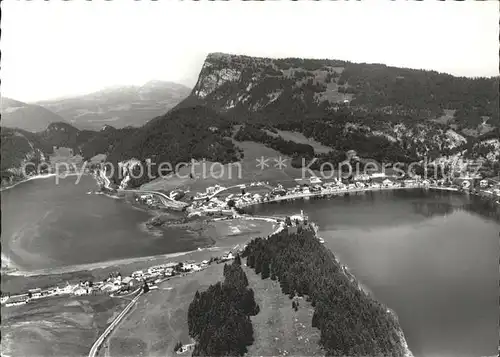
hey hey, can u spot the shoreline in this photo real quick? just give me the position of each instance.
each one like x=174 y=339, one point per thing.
x=215 y=245
x=39 y=177
x=14 y=270
x=91 y=266
x=359 y=190
x=364 y=289
x=275 y=219
x=31 y=178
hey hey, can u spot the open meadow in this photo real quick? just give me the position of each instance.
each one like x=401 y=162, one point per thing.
x=279 y=329
x=244 y=171
x=300 y=138
x=159 y=320
x=65 y=326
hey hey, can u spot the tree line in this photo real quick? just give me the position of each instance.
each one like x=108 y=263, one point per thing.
x=219 y=318
x=248 y=132
x=351 y=322
x=179 y=136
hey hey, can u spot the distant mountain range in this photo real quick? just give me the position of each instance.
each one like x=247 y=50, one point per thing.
x=120 y=106
x=384 y=113
x=29 y=117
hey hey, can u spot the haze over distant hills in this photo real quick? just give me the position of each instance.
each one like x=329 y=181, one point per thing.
x=29 y=117
x=119 y=106
x=384 y=113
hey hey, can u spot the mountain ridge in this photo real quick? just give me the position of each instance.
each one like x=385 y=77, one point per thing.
x=119 y=106
x=29 y=117
x=383 y=113
x=259 y=85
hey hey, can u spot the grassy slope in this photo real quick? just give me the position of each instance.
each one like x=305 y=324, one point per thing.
x=278 y=329
x=228 y=177
x=160 y=318
x=69 y=326
x=301 y=139
x=57 y=327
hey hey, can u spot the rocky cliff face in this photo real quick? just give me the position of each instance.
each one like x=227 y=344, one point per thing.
x=423 y=112
x=253 y=84
x=232 y=82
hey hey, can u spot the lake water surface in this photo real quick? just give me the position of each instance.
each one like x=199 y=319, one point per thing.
x=45 y=225
x=430 y=256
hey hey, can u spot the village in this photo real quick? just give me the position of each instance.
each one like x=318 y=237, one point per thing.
x=231 y=200
x=116 y=284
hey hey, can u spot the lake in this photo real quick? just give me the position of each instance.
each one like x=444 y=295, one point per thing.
x=432 y=257
x=45 y=225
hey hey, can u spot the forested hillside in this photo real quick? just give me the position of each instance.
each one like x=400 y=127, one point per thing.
x=351 y=322
x=286 y=89
x=219 y=318
x=19 y=148
x=179 y=136
x=65 y=135
x=105 y=140
x=384 y=113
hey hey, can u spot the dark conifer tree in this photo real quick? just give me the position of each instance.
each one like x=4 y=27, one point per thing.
x=218 y=319
x=265 y=270
x=349 y=321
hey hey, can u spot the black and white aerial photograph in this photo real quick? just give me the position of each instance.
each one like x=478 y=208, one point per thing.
x=250 y=178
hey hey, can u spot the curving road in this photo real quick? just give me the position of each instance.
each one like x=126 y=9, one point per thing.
x=234 y=186
x=166 y=200
x=97 y=344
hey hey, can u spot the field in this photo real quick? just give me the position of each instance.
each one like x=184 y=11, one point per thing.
x=68 y=326
x=56 y=327
x=301 y=139
x=63 y=156
x=278 y=329
x=159 y=320
x=446 y=117
x=261 y=190
x=245 y=171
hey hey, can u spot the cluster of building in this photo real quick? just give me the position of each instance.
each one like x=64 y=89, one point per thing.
x=209 y=192
x=212 y=191
x=148 y=199
x=489 y=187
x=314 y=186
x=210 y=201
x=83 y=288
x=115 y=283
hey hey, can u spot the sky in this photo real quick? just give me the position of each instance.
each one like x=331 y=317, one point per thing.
x=56 y=48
